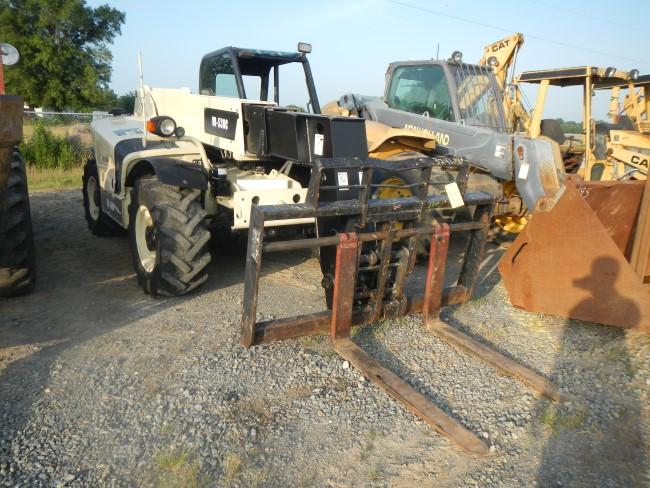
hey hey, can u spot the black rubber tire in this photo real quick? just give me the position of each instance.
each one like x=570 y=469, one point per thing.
x=181 y=238
x=17 y=259
x=101 y=224
x=498 y=236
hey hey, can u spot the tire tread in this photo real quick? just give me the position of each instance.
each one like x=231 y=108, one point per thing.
x=182 y=234
x=17 y=258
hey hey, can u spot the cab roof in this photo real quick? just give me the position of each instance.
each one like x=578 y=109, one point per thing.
x=276 y=57
x=256 y=61
x=576 y=77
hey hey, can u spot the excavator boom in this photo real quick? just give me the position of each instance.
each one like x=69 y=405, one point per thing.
x=501 y=56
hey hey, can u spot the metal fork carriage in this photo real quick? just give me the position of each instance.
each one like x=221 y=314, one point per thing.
x=373 y=258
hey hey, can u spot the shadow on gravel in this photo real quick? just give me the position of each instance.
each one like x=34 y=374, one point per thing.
x=366 y=338
x=489 y=273
x=599 y=443
x=448 y=317
x=85 y=288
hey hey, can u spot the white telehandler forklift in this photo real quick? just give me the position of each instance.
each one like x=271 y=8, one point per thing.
x=186 y=165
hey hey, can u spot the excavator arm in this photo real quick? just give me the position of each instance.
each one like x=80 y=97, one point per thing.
x=501 y=56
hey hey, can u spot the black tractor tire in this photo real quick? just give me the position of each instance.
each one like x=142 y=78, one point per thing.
x=169 y=238
x=99 y=223
x=17 y=259
x=501 y=237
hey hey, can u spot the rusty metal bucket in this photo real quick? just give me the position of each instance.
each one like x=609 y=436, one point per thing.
x=574 y=260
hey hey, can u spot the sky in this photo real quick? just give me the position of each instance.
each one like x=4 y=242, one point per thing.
x=354 y=40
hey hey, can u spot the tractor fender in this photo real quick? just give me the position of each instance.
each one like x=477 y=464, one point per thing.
x=379 y=134
x=177 y=172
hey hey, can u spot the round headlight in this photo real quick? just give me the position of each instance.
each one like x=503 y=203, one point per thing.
x=492 y=62
x=167 y=127
x=634 y=74
x=457 y=57
x=161 y=126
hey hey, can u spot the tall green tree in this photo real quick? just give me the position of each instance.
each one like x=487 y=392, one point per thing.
x=127 y=102
x=65 y=61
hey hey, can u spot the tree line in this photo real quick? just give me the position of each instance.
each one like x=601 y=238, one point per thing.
x=65 y=60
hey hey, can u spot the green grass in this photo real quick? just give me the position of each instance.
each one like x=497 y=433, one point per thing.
x=47 y=149
x=232 y=467
x=54 y=178
x=375 y=474
x=179 y=468
x=313 y=341
x=559 y=421
x=319 y=344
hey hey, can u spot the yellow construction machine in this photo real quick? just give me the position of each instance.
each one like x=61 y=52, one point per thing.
x=612 y=151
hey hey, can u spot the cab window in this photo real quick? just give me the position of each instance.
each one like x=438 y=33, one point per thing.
x=218 y=77
x=421 y=90
x=478 y=101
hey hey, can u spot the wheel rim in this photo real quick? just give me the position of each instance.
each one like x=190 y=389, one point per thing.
x=385 y=193
x=145 y=238
x=511 y=223
x=92 y=188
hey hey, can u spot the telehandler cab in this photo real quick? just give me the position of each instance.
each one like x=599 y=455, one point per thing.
x=464 y=107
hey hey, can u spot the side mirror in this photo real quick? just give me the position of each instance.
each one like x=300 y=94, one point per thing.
x=9 y=54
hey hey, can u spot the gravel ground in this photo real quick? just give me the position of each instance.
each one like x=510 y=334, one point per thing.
x=100 y=385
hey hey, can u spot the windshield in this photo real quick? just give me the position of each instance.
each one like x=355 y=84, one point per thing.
x=478 y=101
x=421 y=90
x=424 y=90
x=264 y=78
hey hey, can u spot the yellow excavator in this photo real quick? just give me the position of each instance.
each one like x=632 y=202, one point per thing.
x=585 y=252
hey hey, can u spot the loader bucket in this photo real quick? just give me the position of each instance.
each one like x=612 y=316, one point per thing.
x=574 y=259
